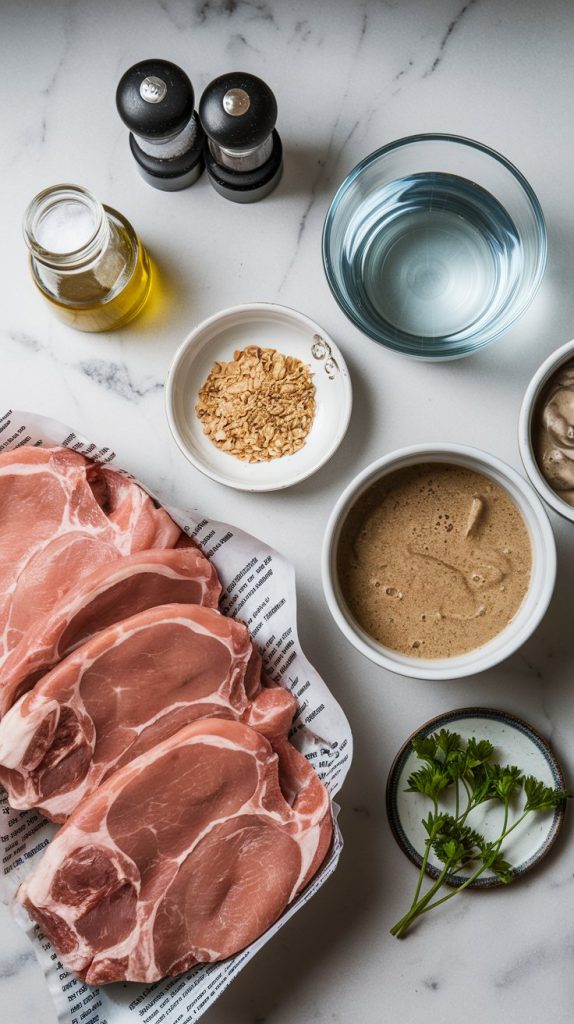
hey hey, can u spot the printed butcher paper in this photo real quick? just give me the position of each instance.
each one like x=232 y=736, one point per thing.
x=258 y=589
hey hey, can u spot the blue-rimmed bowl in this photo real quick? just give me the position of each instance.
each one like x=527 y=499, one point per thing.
x=434 y=245
x=515 y=742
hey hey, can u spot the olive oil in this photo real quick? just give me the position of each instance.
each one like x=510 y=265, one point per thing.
x=86 y=260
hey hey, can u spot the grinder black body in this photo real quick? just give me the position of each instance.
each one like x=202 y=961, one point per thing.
x=155 y=100
x=243 y=152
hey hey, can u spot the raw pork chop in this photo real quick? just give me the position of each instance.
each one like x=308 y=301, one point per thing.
x=272 y=710
x=124 y=690
x=126 y=586
x=186 y=855
x=61 y=517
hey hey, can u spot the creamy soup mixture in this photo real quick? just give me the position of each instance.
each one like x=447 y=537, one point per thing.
x=434 y=560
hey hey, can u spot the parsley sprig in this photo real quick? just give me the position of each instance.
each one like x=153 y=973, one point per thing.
x=468 y=771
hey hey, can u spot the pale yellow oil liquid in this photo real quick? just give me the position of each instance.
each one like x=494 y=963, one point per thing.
x=110 y=294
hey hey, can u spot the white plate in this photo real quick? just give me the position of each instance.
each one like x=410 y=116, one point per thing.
x=515 y=742
x=269 y=326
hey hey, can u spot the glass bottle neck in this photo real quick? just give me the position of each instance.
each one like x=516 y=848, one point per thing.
x=66 y=228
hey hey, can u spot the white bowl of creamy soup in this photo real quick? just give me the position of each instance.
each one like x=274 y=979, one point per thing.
x=438 y=561
x=546 y=430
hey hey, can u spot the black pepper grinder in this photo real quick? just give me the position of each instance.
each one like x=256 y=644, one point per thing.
x=243 y=152
x=155 y=100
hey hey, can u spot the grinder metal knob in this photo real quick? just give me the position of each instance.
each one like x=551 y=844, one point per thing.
x=243 y=152
x=155 y=100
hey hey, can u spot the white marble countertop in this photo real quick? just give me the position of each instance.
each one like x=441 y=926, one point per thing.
x=349 y=77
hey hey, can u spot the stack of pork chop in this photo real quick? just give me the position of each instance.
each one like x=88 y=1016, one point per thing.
x=136 y=714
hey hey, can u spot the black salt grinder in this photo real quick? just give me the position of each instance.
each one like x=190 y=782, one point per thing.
x=243 y=152
x=155 y=100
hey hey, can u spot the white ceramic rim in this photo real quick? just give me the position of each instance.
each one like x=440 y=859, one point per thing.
x=540 y=378
x=533 y=607
x=194 y=338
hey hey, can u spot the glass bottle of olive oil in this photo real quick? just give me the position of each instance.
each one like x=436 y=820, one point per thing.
x=86 y=259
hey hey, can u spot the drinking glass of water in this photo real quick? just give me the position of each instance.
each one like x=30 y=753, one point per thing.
x=434 y=245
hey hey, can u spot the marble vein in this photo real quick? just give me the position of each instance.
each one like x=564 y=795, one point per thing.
x=11 y=967
x=48 y=91
x=536 y=960
x=184 y=15
x=559 y=883
x=403 y=71
x=257 y=9
x=113 y=376
x=26 y=341
x=238 y=43
x=533 y=669
x=444 y=41
x=68 y=25
x=363 y=811
x=37 y=133
x=326 y=163
x=116 y=377
x=301 y=32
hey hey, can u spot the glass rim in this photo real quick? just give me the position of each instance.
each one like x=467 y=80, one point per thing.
x=74 y=258
x=442 y=348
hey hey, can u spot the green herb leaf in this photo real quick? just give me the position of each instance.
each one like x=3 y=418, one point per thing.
x=434 y=824
x=428 y=781
x=457 y=845
x=455 y=764
x=448 y=745
x=482 y=779
x=425 y=748
x=507 y=781
x=478 y=752
x=495 y=862
x=447 y=762
x=540 y=797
